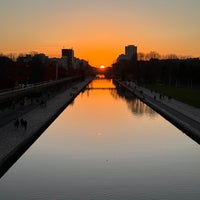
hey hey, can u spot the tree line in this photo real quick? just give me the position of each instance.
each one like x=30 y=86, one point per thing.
x=170 y=70
x=35 y=67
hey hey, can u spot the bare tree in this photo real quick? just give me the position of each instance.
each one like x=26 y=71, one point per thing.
x=171 y=56
x=153 y=55
x=141 y=56
x=12 y=56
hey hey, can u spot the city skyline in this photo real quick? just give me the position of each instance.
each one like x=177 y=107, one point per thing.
x=98 y=31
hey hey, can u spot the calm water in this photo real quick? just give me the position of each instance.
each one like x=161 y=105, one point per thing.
x=107 y=145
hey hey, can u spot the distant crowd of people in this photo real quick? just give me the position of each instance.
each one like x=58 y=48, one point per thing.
x=21 y=123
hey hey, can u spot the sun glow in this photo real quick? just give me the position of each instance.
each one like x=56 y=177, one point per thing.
x=102 y=67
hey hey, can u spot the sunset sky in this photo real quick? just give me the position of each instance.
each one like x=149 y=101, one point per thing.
x=98 y=30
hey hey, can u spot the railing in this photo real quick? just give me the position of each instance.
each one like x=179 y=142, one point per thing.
x=99 y=88
x=6 y=93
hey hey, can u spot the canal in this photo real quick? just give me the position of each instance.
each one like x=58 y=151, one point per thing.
x=107 y=145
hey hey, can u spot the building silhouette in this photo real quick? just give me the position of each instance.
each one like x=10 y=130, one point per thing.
x=69 y=55
x=131 y=52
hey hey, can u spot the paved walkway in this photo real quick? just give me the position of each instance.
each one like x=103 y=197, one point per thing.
x=184 y=116
x=11 y=138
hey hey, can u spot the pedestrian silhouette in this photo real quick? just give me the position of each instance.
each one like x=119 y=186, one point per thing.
x=17 y=123
x=22 y=122
x=25 y=124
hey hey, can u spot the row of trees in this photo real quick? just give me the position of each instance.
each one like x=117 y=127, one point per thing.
x=33 y=68
x=172 y=71
x=156 y=55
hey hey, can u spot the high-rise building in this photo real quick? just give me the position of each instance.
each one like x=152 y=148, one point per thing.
x=131 y=52
x=69 y=54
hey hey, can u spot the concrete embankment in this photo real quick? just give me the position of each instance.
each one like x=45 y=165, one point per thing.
x=15 y=141
x=183 y=116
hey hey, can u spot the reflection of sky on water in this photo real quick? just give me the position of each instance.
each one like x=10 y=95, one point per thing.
x=134 y=104
x=98 y=149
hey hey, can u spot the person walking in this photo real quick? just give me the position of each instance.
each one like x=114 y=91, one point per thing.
x=22 y=122
x=17 y=123
x=25 y=124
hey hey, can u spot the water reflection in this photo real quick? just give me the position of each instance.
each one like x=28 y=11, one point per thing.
x=101 y=84
x=97 y=150
x=136 y=106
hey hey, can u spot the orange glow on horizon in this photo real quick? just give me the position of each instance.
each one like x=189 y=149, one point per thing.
x=95 y=55
x=96 y=34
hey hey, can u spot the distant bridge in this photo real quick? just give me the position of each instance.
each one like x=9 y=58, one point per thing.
x=99 y=88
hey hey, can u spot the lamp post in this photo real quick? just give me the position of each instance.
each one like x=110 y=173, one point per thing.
x=56 y=71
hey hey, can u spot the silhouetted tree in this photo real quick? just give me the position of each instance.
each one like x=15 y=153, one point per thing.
x=5 y=72
x=153 y=55
x=141 y=56
x=37 y=68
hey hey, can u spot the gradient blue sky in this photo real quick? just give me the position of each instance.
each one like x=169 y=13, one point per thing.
x=99 y=30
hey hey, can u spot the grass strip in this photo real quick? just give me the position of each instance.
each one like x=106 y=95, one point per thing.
x=189 y=96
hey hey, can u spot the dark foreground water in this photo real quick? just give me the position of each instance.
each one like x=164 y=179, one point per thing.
x=107 y=145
